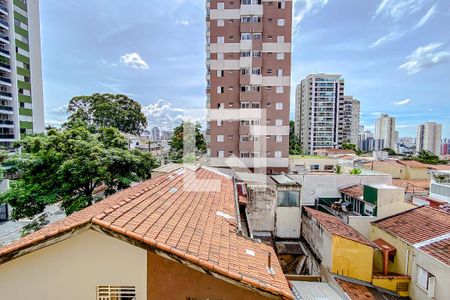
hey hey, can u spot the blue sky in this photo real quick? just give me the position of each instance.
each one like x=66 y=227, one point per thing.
x=393 y=54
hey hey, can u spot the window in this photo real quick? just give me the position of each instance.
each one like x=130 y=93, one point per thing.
x=221 y=105
x=280 y=90
x=220 y=39
x=220 y=138
x=314 y=167
x=256 y=71
x=280 y=56
x=220 y=90
x=279 y=122
x=280 y=72
x=246 y=36
x=220 y=23
x=279 y=106
x=220 y=73
x=424 y=279
x=219 y=123
x=280 y=39
x=220 y=5
x=280 y=22
x=279 y=138
x=247 y=53
x=220 y=154
x=278 y=154
x=220 y=56
x=106 y=292
x=288 y=198
x=281 y=5
x=329 y=168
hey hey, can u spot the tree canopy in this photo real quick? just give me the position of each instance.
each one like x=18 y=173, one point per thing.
x=108 y=110
x=180 y=140
x=350 y=146
x=70 y=165
x=427 y=157
x=294 y=142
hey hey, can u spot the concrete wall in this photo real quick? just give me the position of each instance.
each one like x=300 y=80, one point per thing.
x=397 y=171
x=327 y=186
x=352 y=259
x=435 y=267
x=72 y=269
x=261 y=207
x=288 y=222
x=171 y=280
x=417 y=173
x=297 y=164
x=320 y=241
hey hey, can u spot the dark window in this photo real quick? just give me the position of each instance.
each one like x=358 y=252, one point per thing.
x=288 y=198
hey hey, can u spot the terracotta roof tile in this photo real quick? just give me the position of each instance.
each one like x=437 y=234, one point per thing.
x=413 y=185
x=439 y=167
x=190 y=214
x=439 y=250
x=355 y=191
x=336 y=227
x=412 y=164
x=417 y=225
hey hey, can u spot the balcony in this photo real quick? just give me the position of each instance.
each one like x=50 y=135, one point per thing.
x=4 y=53
x=3 y=9
x=251 y=10
x=6 y=124
x=4 y=38
x=4 y=24
x=250 y=96
x=5 y=95
x=6 y=110
x=5 y=81
x=6 y=136
x=5 y=67
x=252 y=27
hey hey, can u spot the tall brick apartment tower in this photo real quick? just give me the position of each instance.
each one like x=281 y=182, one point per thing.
x=248 y=83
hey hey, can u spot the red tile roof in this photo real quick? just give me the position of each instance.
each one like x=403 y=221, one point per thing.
x=190 y=214
x=439 y=167
x=412 y=164
x=357 y=291
x=413 y=185
x=439 y=250
x=394 y=162
x=334 y=151
x=355 y=191
x=336 y=227
x=416 y=225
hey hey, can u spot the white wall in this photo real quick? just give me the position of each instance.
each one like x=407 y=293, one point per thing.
x=288 y=222
x=72 y=269
x=328 y=185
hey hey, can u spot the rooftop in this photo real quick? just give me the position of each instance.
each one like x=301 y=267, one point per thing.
x=189 y=214
x=413 y=185
x=354 y=191
x=395 y=162
x=336 y=227
x=425 y=228
x=357 y=291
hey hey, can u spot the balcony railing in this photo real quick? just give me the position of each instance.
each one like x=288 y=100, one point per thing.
x=4 y=51
x=4 y=8
x=4 y=23
x=6 y=108
x=6 y=122
x=6 y=66
x=4 y=36
x=5 y=94
x=7 y=136
x=4 y=79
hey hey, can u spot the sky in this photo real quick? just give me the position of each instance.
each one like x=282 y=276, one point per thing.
x=393 y=54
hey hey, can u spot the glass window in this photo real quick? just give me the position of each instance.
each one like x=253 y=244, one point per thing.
x=314 y=167
x=288 y=198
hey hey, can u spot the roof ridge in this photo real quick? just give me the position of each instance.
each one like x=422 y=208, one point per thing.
x=397 y=214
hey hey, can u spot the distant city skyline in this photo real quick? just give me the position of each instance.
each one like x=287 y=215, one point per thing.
x=394 y=57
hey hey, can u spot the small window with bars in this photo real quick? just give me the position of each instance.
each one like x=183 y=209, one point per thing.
x=110 y=292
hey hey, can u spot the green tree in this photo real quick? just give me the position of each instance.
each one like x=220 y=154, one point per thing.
x=390 y=151
x=355 y=171
x=294 y=142
x=180 y=140
x=69 y=166
x=350 y=146
x=428 y=157
x=107 y=110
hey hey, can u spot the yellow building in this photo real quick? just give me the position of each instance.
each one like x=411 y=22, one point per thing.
x=341 y=248
x=416 y=244
x=400 y=169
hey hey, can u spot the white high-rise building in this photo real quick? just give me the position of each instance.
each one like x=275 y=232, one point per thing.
x=429 y=137
x=21 y=92
x=385 y=132
x=324 y=117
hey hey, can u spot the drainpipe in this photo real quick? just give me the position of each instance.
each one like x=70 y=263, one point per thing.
x=236 y=203
x=407 y=262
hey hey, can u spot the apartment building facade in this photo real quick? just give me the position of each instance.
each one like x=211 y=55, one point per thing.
x=324 y=117
x=385 y=132
x=429 y=137
x=248 y=83
x=21 y=92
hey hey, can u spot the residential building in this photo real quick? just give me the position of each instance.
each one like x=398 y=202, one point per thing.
x=178 y=236
x=366 y=141
x=440 y=185
x=445 y=148
x=156 y=134
x=319 y=112
x=248 y=84
x=400 y=169
x=342 y=251
x=416 y=243
x=305 y=164
x=21 y=92
x=429 y=136
x=350 y=120
x=385 y=131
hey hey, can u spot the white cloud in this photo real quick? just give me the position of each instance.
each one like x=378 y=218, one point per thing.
x=398 y=8
x=402 y=102
x=424 y=57
x=305 y=7
x=182 y=22
x=60 y=109
x=387 y=38
x=134 y=60
x=426 y=17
